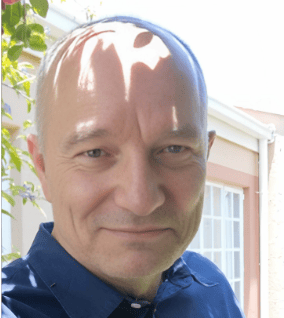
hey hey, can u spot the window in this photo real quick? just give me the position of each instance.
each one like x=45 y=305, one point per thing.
x=220 y=235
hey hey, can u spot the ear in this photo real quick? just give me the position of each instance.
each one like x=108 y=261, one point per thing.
x=38 y=161
x=211 y=138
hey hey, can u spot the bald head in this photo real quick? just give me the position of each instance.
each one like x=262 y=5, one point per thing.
x=104 y=57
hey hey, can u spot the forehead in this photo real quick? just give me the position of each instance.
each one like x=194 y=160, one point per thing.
x=120 y=67
x=132 y=45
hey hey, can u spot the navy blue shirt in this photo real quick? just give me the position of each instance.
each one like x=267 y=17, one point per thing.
x=49 y=282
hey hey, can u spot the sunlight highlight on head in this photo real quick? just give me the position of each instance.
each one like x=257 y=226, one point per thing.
x=81 y=58
x=131 y=43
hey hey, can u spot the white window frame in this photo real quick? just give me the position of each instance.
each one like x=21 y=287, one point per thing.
x=224 y=188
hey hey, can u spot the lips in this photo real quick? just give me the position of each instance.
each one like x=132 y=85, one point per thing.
x=138 y=231
x=137 y=234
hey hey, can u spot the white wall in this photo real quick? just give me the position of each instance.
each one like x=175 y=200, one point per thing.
x=276 y=231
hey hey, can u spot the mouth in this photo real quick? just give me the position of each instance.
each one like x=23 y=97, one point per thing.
x=130 y=233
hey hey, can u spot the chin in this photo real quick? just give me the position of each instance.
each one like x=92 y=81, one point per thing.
x=139 y=265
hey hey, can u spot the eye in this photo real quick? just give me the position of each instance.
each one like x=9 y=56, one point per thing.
x=174 y=149
x=95 y=153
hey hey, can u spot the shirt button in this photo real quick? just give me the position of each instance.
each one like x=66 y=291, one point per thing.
x=134 y=305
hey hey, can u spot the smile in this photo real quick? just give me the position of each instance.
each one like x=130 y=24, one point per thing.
x=135 y=234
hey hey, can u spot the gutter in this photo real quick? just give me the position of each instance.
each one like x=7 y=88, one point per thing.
x=263 y=218
x=240 y=120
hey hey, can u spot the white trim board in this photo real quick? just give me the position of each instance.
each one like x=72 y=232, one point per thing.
x=230 y=133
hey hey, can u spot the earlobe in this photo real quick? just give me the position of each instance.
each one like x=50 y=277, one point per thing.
x=39 y=163
x=211 y=138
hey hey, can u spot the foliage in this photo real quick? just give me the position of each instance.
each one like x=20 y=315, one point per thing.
x=19 y=31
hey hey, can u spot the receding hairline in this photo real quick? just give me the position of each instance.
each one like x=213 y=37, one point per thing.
x=60 y=46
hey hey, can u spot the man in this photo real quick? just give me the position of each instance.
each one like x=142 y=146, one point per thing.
x=121 y=155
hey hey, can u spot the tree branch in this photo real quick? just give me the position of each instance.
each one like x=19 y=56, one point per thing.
x=29 y=98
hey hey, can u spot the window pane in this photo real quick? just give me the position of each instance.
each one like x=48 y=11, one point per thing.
x=237 y=264
x=237 y=290
x=207 y=201
x=217 y=233
x=195 y=244
x=229 y=265
x=207 y=233
x=208 y=255
x=228 y=206
x=236 y=234
x=229 y=243
x=218 y=259
x=236 y=205
x=217 y=201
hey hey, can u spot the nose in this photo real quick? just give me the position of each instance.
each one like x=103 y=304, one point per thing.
x=139 y=189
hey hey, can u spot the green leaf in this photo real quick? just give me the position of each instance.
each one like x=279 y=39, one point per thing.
x=12 y=14
x=10 y=257
x=16 y=160
x=27 y=123
x=6 y=143
x=35 y=27
x=22 y=137
x=32 y=185
x=5 y=132
x=6 y=179
x=4 y=45
x=8 y=198
x=15 y=51
x=23 y=33
x=25 y=65
x=41 y=210
x=9 y=30
x=17 y=188
x=28 y=7
x=29 y=105
x=6 y=114
x=40 y=7
x=36 y=42
x=27 y=86
x=3 y=151
x=26 y=153
x=7 y=213
x=25 y=201
x=32 y=168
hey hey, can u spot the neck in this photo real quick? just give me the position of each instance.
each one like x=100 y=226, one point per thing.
x=143 y=288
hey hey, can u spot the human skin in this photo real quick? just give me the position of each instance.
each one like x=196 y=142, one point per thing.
x=111 y=190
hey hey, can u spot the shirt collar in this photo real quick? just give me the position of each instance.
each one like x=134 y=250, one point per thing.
x=83 y=294
x=79 y=292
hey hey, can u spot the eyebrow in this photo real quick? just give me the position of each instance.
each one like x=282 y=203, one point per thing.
x=83 y=136
x=186 y=132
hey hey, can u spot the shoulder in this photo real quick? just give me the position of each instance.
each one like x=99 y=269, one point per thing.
x=211 y=288
x=13 y=270
x=19 y=279
x=24 y=293
x=203 y=267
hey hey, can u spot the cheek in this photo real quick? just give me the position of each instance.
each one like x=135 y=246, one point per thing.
x=187 y=186
x=77 y=191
